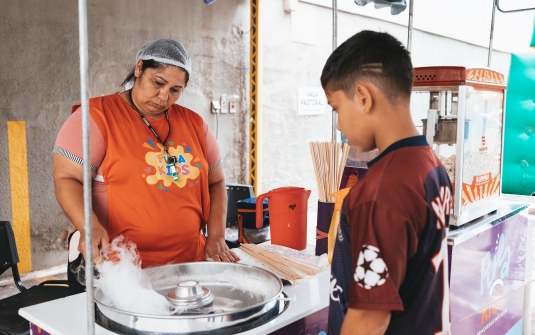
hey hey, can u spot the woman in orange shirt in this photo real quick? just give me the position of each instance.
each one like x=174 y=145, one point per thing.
x=157 y=177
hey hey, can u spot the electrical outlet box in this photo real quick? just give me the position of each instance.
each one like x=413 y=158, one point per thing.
x=233 y=106
x=224 y=103
x=216 y=107
x=290 y=5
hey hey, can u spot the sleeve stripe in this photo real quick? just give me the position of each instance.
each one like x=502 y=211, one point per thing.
x=216 y=165
x=72 y=157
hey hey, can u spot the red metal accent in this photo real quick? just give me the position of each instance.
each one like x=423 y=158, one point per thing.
x=458 y=75
x=439 y=76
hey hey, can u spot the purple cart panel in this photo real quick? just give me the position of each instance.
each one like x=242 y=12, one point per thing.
x=34 y=330
x=487 y=278
x=313 y=324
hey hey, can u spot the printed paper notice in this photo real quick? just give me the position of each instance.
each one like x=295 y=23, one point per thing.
x=311 y=101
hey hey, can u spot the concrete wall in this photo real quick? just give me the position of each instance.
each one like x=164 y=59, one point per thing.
x=39 y=81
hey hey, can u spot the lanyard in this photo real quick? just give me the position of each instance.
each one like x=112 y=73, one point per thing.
x=154 y=131
x=150 y=127
x=169 y=159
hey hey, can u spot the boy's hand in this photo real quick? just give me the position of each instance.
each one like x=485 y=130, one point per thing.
x=364 y=322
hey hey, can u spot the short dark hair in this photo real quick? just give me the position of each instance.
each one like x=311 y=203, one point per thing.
x=373 y=56
x=149 y=64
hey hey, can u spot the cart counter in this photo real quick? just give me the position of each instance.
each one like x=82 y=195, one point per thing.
x=307 y=311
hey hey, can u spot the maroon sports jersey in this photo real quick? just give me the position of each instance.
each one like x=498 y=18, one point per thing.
x=391 y=246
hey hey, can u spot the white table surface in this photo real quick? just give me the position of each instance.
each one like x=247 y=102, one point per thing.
x=68 y=316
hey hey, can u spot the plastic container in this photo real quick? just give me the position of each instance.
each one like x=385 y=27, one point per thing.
x=248 y=233
x=288 y=208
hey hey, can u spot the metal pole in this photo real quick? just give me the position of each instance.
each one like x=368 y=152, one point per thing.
x=409 y=38
x=335 y=45
x=88 y=229
x=491 y=33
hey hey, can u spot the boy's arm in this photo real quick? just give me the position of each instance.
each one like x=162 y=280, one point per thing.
x=365 y=322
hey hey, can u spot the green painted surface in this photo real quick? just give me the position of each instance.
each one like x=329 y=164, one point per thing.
x=519 y=138
x=532 y=44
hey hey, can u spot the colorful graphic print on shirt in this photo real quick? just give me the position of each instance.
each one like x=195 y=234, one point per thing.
x=187 y=166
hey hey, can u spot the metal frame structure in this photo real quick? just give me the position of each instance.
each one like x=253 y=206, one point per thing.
x=409 y=26
x=254 y=134
x=254 y=117
x=489 y=59
x=497 y=5
x=335 y=45
x=254 y=97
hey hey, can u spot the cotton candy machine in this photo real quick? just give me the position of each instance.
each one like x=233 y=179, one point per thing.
x=215 y=298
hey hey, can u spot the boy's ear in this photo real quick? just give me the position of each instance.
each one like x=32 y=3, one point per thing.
x=363 y=97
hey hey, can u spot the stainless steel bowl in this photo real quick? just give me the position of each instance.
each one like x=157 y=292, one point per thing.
x=235 y=307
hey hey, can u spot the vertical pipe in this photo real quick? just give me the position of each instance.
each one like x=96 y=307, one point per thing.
x=335 y=24
x=491 y=33
x=88 y=229
x=409 y=37
x=335 y=45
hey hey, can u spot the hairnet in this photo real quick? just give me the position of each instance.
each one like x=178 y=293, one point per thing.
x=166 y=51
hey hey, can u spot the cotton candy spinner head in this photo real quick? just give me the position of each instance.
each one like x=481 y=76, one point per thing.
x=166 y=51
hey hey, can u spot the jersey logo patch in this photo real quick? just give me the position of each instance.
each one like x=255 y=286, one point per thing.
x=340 y=235
x=334 y=289
x=371 y=269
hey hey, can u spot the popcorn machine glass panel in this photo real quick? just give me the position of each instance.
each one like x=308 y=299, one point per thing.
x=482 y=146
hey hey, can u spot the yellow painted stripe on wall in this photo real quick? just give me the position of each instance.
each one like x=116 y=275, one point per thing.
x=20 y=201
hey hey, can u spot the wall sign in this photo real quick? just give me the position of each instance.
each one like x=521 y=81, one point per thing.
x=311 y=101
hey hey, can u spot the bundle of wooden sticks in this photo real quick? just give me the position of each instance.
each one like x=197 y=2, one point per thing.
x=283 y=265
x=329 y=160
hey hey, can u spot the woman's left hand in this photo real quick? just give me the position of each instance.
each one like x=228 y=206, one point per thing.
x=218 y=251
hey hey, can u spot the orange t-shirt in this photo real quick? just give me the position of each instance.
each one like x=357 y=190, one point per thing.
x=145 y=204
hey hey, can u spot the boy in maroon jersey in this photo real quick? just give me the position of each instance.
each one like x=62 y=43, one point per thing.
x=389 y=273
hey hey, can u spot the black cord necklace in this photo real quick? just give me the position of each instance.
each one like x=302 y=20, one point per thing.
x=170 y=160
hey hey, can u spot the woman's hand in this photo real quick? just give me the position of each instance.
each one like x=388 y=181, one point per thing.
x=100 y=243
x=217 y=249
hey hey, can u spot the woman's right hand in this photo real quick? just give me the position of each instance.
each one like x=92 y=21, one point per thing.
x=100 y=243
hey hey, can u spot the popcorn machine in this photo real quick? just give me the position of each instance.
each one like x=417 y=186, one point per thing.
x=461 y=113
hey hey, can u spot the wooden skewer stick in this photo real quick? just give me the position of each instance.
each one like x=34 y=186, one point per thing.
x=308 y=269
x=294 y=263
x=281 y=268
x=276 y=267
x=329 y=159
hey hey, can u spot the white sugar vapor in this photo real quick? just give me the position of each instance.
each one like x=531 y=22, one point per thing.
x=125 y=286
